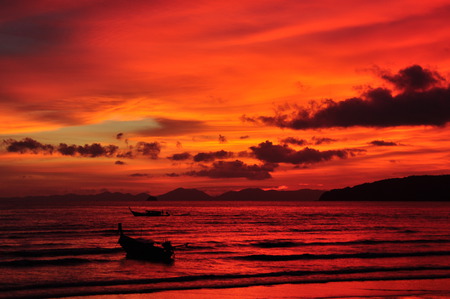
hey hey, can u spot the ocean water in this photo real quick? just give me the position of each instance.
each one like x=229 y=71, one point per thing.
x=71 y=249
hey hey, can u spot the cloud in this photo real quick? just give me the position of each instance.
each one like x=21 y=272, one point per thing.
x=244 y=154
x=119 y=136
x=268 y=152
x=236 y=169
x=126 y=155
x=88 y=150
x=29 y=145
x=173 y=175
x=222 y=139
x=421 y=102
x=180 y=157
x=205 y=157
x=150 y=150
x=315 y=140
x=293 y=140
x=138 y=175
x=413 y=78
x=120 y=163
x=322 y=140
x=382 y=143
x=211 y=156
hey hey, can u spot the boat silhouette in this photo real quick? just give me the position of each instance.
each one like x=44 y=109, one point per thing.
x=146 y=249
x=150 y=213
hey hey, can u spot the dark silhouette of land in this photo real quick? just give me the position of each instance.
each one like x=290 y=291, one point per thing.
x=184 y=194
x=255 y=194
x=250 y=194
x=412 y=188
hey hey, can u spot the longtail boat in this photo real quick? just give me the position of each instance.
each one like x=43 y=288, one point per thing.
x=146 y=249
x=150 y=213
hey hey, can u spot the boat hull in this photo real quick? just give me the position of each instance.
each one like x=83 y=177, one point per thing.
x=137 y=249
x=150 y=213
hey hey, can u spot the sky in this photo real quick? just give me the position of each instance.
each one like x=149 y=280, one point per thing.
x=148 y=96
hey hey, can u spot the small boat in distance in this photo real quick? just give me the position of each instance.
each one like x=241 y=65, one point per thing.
x=146 y=249
x=150 y=213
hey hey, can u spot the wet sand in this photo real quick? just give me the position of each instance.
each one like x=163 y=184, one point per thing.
x=421 y=288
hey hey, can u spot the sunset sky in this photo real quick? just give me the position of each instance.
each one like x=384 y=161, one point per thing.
x=148 y=96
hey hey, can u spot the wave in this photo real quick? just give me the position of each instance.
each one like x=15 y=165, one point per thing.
x=197 y=247
x=374 y=228
x=369 y=255
x=49 y=262
x=276 y=244
x=224 y=280
x=62 y=252
x=283 y=243
x=51 y=231
x=318 y=230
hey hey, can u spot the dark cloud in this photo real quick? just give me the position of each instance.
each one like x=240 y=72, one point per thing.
x=67 y=150
x=180 y=157
x=268 y=152
x=150 y=150
x=236 y=169
x=421 y=102
x=322 y=140
x=119 y=136
x=301 y=142
x=29 y=145
x=244 y=154
x=413 y=78
x=126 y=155
x=120 y=163
x=96 y=150
x=32 y=146
x=173 y=175
x=211 y=156
x=293 y=140
x=383 y=143
x=139 y=175
x=222 y=139
x=244 y=137
x=206 y=157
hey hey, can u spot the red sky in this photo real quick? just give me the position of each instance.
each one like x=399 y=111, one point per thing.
x=148 y=96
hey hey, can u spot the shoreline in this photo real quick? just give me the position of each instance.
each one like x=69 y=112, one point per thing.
x=418 y=288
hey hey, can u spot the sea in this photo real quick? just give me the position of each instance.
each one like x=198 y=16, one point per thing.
x=63 y=249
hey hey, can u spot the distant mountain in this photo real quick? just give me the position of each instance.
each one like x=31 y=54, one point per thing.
x=412 y=188
x=182 y=194
x=152 y=198
x=255 y=194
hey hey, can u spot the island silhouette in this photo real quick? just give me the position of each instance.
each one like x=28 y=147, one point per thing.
x=412 y=188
